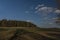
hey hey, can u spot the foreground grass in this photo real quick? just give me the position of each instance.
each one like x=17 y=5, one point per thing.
x=29 y=33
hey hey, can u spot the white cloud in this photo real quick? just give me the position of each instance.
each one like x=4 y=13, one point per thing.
x=57 y=11
x=45 y=9
x=39 y=6
x=28 y=21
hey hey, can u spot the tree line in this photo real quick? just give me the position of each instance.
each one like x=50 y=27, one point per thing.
x=15 y=23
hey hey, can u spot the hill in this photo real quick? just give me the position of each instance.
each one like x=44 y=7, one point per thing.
x=15 y=23
x=22 y=30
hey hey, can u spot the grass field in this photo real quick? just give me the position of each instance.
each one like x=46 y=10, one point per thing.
x=29 y=33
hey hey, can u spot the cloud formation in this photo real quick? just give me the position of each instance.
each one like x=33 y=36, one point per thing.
x=57 y=11
x=45 y=9
x=39 y=6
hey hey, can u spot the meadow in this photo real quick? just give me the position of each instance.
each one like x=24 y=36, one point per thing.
x=29 y=33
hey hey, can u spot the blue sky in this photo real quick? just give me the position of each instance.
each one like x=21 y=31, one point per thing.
x=25 y=10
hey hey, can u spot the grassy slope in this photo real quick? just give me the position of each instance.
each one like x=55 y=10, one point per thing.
x=29 y=33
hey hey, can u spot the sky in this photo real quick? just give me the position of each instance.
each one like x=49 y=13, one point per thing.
x=40 y=12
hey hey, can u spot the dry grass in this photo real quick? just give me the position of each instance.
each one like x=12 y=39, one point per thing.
x=28 y=33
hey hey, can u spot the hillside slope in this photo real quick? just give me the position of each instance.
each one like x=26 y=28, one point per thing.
x=16 y=23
